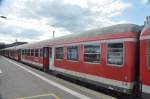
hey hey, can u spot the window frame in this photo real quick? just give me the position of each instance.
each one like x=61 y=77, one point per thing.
x=62 y=53
x=77 y=53
x=97 y=53
x=115 y=65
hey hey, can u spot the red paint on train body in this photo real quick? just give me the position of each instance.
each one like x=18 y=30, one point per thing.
x=145 y=62
x=46 y=55
x=33 y=59
x=103 y=69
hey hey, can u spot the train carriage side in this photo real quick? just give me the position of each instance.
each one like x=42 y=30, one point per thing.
x=32 y=56
x=12 y=53
x=35 y=54
x=106 y=57
x=145 y=60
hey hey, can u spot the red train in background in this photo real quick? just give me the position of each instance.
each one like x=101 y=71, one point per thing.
x=115 y=57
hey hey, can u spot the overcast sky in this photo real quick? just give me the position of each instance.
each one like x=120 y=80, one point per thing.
x=34 y=20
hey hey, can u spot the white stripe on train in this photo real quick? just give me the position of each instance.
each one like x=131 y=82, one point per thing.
x=103 y=80
x=107 y=81
x=146 y=88
x=33 y=63
x=145 y=37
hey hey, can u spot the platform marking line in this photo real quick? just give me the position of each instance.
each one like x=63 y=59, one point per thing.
x=72 y=92
x=1 y=71
x=42 y=95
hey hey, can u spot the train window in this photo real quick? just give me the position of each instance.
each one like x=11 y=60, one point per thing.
x=115 y=53
x=36 y=53
x=92 y=53
x=148 y=54
x=25 y=51
x=59 y=53
x=28 y=52
x=32 y=52
x=72 y=53
x=41 y=52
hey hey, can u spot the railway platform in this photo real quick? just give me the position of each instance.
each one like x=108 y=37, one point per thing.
x=19 y=81
x=0 y=71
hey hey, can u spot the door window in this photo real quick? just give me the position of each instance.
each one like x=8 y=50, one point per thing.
x=45 y=52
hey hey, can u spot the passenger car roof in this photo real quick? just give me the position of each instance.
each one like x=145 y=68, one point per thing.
x=120 y=28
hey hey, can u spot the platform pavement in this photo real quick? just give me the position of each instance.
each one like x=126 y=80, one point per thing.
x=19 y=81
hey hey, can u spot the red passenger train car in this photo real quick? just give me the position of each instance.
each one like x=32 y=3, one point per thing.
x=145 y=60
x=35 y=54
x=101 y=56
x=115 y=57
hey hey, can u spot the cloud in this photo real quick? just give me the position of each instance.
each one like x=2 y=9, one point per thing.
x=70 y=17
x=12 y=33
x=145 y=1
x=1 y=1
x=36 y=20
x=78 y=15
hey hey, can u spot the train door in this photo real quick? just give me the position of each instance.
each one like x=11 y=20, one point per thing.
x=51 y=58
x=46 y=58
x=19 y=54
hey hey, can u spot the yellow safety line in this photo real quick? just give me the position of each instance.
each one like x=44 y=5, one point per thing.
x=55 y=96
x=36 y=96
